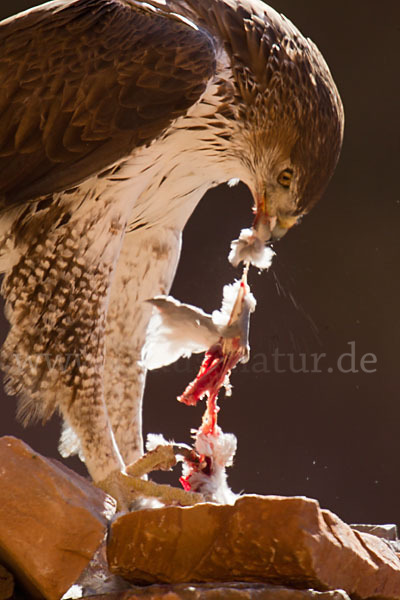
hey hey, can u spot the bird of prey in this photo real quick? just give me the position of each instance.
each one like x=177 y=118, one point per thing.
x=116 y=116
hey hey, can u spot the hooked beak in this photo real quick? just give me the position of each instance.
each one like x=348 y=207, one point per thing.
x=268 y=225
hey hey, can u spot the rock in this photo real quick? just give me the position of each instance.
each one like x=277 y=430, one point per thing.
x=97 y=579
x=272 y=539
x=6 y=584
x=386 y=532
x=51 y=520
x=229 y=591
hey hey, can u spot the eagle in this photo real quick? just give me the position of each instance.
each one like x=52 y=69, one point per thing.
x=116 y=116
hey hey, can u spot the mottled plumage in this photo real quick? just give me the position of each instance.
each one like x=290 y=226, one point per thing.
x=116 y=116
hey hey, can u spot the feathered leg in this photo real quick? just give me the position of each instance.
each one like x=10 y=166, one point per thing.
x=57 y=297
x=146 y=267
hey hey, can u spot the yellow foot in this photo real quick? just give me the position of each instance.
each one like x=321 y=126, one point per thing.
x=126 y=487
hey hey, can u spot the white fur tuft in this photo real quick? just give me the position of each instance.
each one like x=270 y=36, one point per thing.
x=220 y=448
x=221 y=317
x=69 y=443
x=155 y=439
x=250 y=248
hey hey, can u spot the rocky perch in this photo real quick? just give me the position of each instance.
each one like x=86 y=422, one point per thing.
x=58 y=536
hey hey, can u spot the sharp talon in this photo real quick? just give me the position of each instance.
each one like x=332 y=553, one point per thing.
x=162 y=458
x=127 y=489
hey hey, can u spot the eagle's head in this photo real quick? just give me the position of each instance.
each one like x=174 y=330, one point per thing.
x=289 y=115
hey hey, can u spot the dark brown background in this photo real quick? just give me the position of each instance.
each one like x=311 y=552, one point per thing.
x=329 y=435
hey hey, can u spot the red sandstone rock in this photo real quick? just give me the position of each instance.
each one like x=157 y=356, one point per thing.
x=51 y=520
x=286 y=541
x=6 y=584
x=238 y=591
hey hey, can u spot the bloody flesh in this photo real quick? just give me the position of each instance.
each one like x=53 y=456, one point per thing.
x=216 y=367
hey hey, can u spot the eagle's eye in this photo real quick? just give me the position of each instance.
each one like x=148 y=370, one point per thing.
x=285 y=178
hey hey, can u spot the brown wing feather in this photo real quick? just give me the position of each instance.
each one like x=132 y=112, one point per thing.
x=83 y=83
